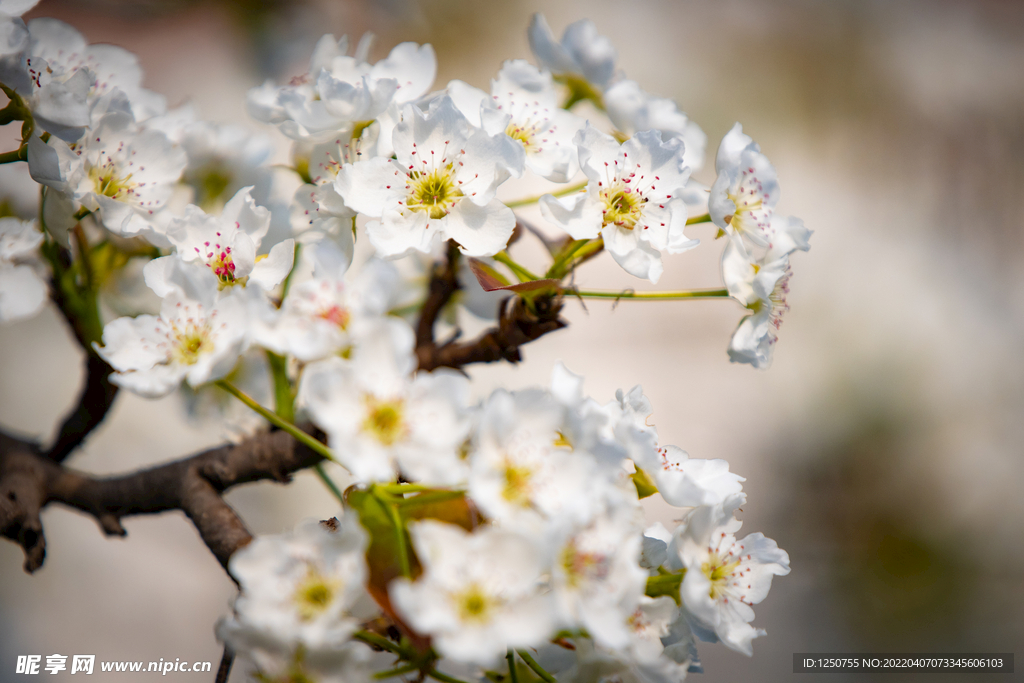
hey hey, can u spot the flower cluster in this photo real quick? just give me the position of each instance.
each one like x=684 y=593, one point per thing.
x=523 y=518
x=477 y=534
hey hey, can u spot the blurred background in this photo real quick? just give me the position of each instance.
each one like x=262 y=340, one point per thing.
x=883 y=449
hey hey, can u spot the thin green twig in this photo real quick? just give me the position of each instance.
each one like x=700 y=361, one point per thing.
x=510 y=656
x=521 y=272
x=537 y=668
x=328 y=482
x=444 y=678
x=383 y=643
x=276 y=420
x=558 y=193
x=628 y=294
x=408 y=668
x=703 y=218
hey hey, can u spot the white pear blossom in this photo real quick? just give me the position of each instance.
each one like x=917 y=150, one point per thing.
x=526 y=474
x=479 y=592
x=68 y=84
x=744 y=195
x=632 y=110
x=632 y=200
x=342 y=93
x=300 y=587
x=523 y=104
x=211 y=407
x=23 y=293
x=197 y=337
x=222 y=159
x=762 y=287
x=123 y=173
x=13 y=32
x=380 y=420
x=581 y=54
x=226 y=244
x=321 y=316
x=596 y=577
x=681 y=480
x=642 y=659
x=318 y=210
x=725 y=577
x=440 y=186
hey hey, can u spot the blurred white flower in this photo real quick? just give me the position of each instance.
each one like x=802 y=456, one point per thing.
x=341 y=93
x=321 y=316
x=379 y=419
x=582 y=53
x=23 y=293
x=632 y=110
x=479 y=592
x=298 y=588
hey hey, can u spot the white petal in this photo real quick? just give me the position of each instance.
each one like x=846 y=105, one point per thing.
x=22 y=292
x=480 y=230
x=577 y=214
x=269 y=272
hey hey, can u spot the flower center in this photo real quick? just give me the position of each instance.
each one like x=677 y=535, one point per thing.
x=777 y=300
x=435 y=192
x=523 y=133
x=474 y=604
x=191 y=342
x=223 y=266
x=622 y=206
x=579 y=565
x=108 y=183
x=718 y=570
x=315 y=594
x=384 y=420
x=337 y=315
x=517 y=484
x=211 y=184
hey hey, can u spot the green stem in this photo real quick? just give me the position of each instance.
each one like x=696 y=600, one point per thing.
x=510 y=656
x=520 y=272
x=328 y=482
x=383 y=643
x=577 y=252
x=682 y=294
x=705 y=218
x=20 y=154
x=560 y=193
x=408 y=668
x=295 y=265
x=272 y=417
x=399 y=489
x=284 y=402
x=537 y=668
x=384 y=498
x=444 y=678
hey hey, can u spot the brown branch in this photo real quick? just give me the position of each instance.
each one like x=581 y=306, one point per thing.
x=94 y=402
x=29 y=481
x=518 y=324
x=444 y=282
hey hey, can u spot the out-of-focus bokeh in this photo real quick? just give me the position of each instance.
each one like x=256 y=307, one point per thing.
x=885 y=447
